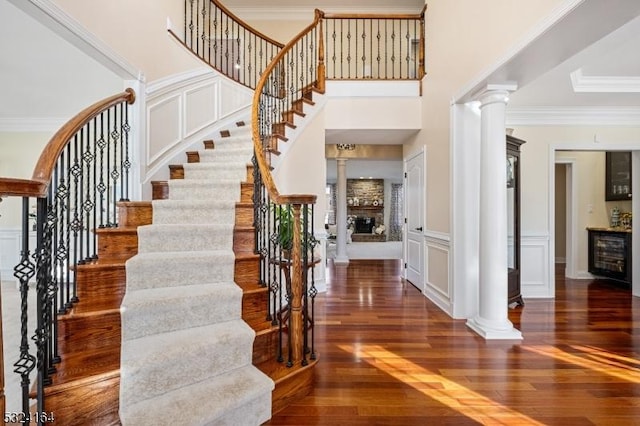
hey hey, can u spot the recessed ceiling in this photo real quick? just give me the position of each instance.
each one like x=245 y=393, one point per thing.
x=369 y=136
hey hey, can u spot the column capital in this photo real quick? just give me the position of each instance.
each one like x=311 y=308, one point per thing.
x=495 y=93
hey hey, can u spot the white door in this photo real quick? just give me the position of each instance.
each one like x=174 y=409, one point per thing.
x=414 y=208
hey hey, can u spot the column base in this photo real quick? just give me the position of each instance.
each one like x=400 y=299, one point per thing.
x=340 y=260
x=494 y=331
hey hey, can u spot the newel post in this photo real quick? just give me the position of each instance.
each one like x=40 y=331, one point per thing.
x=296 y=332
x=421 y=70
x=321 y=67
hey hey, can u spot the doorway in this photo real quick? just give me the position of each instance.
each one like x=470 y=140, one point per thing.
x=414 y=226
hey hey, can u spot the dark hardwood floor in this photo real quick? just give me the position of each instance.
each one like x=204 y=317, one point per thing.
x=388 y=356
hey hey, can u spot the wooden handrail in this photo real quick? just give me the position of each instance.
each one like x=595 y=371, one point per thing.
x=37 y=186
x=265 y=170
x=247 y=26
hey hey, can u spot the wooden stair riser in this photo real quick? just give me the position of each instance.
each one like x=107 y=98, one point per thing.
x=246 y=192
x=117 y=243
x=265 y=346
x=176 y=171
x=254 y=307
x=247 y=271
x=244 y=214
x=159 y=190
x=209 y=144
x=100 y=287
x=193 y=157
x=77 y=333
x=244 y=240
x=249 y=178
x=134 y=213
x=85 y=404
x=292 y=388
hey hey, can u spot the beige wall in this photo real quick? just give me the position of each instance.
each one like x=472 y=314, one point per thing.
x=464 y=37
x=20 y=152
x=137 y=30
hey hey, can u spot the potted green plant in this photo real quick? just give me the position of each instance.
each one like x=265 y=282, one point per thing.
x=284 y=222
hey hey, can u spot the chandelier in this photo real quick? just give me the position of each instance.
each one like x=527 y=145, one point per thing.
x=346 y=146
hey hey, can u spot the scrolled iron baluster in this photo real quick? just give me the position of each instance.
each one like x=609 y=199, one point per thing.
x=126 y=162
x=24 y=271
x=101 y=186
x=115 y=173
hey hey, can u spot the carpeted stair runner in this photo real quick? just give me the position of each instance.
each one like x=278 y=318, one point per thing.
x=186 y=353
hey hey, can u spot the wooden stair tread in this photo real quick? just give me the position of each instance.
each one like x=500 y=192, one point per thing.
x=102 y=264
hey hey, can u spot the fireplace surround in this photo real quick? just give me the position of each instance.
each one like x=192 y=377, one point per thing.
x=365 y=225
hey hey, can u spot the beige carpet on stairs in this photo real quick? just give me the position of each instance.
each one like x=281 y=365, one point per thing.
x=186 y=352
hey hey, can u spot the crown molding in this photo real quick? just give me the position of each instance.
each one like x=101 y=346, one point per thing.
x=604 y=84
x=56 y=19
x=22 y=124
x=573 y=116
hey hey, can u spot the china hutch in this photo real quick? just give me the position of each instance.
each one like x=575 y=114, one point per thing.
x=513 y=217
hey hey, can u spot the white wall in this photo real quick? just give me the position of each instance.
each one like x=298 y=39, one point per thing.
x=137 y=30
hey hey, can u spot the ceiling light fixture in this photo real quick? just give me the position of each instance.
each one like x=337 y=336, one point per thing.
x=346 y=146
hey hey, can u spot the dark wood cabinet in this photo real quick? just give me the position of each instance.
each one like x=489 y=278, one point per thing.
x=610 y=254
x=618 y=176
x=513 y=217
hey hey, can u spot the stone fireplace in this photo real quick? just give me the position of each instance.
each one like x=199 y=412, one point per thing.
x=365 y=199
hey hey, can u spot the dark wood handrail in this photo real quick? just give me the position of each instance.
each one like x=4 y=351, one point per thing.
x=37 y=186
x=265 y=170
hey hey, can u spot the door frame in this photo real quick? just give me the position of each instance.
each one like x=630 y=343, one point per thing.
x=405 y=234
x=571 y=219
x=634 y=147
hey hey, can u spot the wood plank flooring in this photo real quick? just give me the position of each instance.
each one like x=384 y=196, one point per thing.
x=388 y=356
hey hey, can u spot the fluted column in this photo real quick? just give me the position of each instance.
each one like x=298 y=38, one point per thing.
x=492 y=321
x=341 y=214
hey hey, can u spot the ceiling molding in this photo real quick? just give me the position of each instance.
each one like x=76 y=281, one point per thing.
x=20 y=125
x=604 y=84
x=53 y=17
x=573 y=116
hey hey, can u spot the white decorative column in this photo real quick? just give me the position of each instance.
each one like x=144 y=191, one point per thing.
x=492 y=321
x=341 y=214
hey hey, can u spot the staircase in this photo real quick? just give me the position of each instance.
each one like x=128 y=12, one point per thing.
x=196 y=344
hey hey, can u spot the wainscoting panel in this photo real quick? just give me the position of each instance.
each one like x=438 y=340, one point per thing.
x=437 y=270
x=183 y=110
x=164 y=125
x=200 y=107
x=534 y=266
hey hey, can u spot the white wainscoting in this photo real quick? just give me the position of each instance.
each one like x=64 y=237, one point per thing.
x=438 y=270
x=185 y=109
x=534 y=267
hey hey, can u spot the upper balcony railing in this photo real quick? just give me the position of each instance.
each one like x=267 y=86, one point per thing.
x=379 y=47
x=225 y=42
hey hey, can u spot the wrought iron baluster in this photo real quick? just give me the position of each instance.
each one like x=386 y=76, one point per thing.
x=115 y=174
x=24 y=272
x=76 y=223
